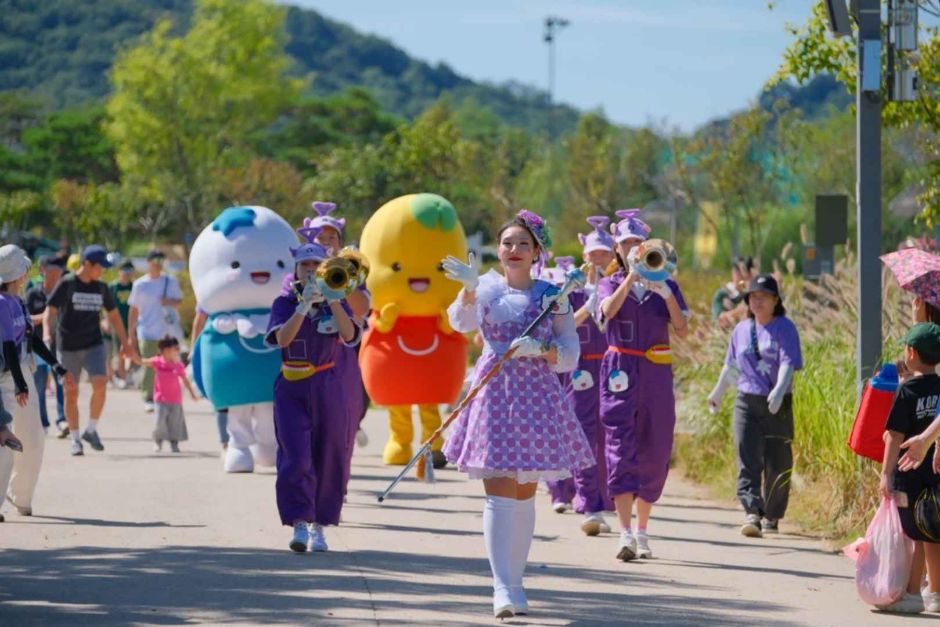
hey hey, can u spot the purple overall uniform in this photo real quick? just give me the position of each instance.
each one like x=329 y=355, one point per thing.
x=311 y=417
x=637 y=404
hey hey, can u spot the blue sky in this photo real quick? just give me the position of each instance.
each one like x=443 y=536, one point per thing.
x=682 y=62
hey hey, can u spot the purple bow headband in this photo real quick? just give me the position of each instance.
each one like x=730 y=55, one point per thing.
x=309 y=250
x=629 y=226
x=599 y=238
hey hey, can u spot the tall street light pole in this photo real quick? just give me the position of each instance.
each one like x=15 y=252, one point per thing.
x=552 y=25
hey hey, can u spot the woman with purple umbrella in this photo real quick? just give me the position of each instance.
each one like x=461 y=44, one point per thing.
x=638 y=408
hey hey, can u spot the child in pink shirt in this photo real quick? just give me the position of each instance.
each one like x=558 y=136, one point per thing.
x=168 y=394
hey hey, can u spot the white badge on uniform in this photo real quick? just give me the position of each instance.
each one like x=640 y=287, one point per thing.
x=582 y=380
x=618 y=381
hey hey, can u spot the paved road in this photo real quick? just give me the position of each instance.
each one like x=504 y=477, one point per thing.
x=129 y=536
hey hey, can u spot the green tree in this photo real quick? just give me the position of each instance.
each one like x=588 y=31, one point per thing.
x=183 y=108
x=72 y=144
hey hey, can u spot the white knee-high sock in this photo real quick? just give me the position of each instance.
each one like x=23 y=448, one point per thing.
x=523 y=528
x=498 y=514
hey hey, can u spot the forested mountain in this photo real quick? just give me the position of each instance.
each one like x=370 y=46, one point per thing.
x=62 y=50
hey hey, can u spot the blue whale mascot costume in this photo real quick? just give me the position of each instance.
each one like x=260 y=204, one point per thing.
x=237 y=265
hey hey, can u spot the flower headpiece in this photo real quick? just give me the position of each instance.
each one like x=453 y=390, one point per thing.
x=543 y=237
x=309 y=250
x=599 y=238
x=324 y=219
x=629 y=226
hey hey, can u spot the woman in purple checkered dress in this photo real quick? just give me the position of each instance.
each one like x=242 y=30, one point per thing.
x=520 y=428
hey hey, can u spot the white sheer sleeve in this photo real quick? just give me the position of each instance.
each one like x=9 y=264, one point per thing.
x=566 y=341
x=463 y=318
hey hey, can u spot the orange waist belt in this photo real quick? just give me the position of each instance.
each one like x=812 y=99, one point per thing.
x=592 y=357
x=300 y=370
x=658 y=354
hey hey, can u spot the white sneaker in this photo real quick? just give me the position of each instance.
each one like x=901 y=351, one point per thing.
x=502 y=604
x=148 y=407
x=591 y=525
x=643 y=549
x=301 y=537
x=751 y=526
x=627 y=549
x=561 y=508
x=931 y=601
x=605 y=528
x=520 y=605
x=362 y=440
x=317 y=540
x=908 y=604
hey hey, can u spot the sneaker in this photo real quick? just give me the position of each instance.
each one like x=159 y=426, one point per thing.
x=174 y=447
x=149 y=407
x=92 y=438
x=317 y=540
x=158 y=446
x=301 y=537
x=605 y=528
x=931 y=601
x=769 y=525
x=751 y=526
x=627 y=549
x=63 y=431
x=520 y=605
x=560 y=507
x=22 y=511
x=502 y=604
x=908 y=604
x=643 y=549
x=77 y=449
x=591 y=525
x=362 y=440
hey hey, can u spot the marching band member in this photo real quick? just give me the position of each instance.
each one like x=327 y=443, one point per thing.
x=311 y=421
x=520 y=428
x=637 y=403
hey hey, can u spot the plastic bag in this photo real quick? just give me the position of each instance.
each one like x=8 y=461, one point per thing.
x=882 y=558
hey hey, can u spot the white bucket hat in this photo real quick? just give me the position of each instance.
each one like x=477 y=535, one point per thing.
x=13 y=263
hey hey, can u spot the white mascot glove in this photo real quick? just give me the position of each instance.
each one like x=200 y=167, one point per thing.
x=527 y=347
x=311 y=296
x=467 y=274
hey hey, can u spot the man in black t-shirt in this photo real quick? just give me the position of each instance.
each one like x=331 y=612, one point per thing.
x=914 y=408
x=73 y=315
x=36 y=299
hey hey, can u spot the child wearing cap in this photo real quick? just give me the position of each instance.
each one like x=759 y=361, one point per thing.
x=763 y=354
x=911 y=424
x=312 y=422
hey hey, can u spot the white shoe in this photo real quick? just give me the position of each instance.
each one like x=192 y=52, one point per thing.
x=605 y=528
x=362 y=440
x=157 y=446
x=751 y=526
x=317 y=540
x=561 y=508
x=643 y=549
x=591 y=525
x=22 y=511
x=908 y=604
x=627 y=549
x=520 y=605
x=931 y=601
x=148 y=407
x=301 y=537
x=502 y=604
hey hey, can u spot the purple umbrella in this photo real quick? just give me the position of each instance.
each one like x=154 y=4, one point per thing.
x=917 y=271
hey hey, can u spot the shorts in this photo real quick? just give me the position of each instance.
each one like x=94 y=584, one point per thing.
x=93 y=360
x=912 y=485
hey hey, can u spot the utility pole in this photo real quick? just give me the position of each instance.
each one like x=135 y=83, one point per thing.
x=868 y=173
x=552 y=25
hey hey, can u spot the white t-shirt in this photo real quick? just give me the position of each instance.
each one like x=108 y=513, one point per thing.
x=146 y=296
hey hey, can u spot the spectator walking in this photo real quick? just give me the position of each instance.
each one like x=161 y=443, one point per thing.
x=51 y=268
x=150 y=296
x=73 y=316
x=121 y=292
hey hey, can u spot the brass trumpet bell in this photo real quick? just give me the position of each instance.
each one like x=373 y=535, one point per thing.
x=656 y=260
x=337 y=275
x=358 y=260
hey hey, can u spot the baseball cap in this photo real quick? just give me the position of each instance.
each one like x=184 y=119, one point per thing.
x=127 y=265
x=96 y=254
x=924 y=337
x=155 y=253
x=763 y=283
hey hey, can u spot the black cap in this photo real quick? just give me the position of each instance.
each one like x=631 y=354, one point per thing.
x=763 y=283
x=127 y=265
x=96 y=254
x=58 y=261
x=155 y=253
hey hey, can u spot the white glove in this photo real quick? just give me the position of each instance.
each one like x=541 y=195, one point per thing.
x=660 y=287
x=775 y=398
x=466 y=273
x=632 y=257
x=527 y=347
x=310 y=296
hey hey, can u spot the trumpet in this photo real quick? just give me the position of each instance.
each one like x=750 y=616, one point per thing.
x=358 y=260
x=340 y=275
x=656 y=260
